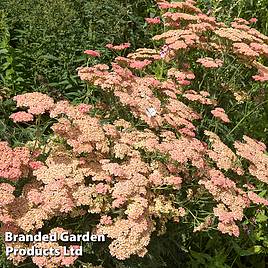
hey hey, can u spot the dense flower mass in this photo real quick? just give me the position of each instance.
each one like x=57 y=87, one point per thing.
x=13 y=162
x=139 y=167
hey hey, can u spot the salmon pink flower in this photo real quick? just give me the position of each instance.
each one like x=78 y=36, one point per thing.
x=253 y=20
x=92 y=53
x=118 y=47
x=21 y=117
x=36 y=164
x=153 y=20
x=220 y=113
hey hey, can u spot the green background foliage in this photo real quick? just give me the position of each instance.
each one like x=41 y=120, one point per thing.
x=48 y=37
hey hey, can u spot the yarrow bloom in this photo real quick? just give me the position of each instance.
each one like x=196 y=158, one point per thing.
x=106 y=220
x=138 y=64
x=210 y=63
x=21 y=117
x=13 y=162
x=253 y=20
x=153 y=20
x=6 y=191
x=92 y=53
x=36 y=164
x=84 y=108
x=220 y=113
x=118 y=47
x=102 y=188
x=37 y=102
x=262 y=76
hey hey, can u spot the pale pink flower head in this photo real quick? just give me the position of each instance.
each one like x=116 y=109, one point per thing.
x=153 y=20
x=84 y=108
x=69 y=260
x=118 y=47
x=220 y=113
x=256 y=199
x=261 y=76
x=106 y=220
x=187 y=132
x=110 y=46
x=119 y=201
x=139 y=64
x=184 y=82
x=92 y=53
x=182 y=211
x=102 y=188
x=35 y=196
x=6 y=191
x=36 y=164
x=21 y=117
x=253 y=20
x=13 y=162
x=241 y=21
x=210 y=63
x=37 y=102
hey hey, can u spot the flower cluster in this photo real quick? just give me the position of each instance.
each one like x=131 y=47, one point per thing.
x=210 y=63
x=92 y=53
x=13 y=162
x=254 y=152
x=38 y=103
x=153 y=20
x=21 y=117
x=220 y=113
x=118 y=47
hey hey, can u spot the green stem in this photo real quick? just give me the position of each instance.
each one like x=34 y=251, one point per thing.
x=248 y=114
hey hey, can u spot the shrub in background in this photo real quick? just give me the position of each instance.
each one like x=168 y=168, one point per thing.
x=49 y=37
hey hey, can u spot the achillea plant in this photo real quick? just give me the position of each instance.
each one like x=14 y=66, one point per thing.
x=134 y=173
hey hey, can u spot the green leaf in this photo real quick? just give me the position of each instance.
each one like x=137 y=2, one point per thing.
x=247 y=252
x=49 y=57
x=200 y=257
x=3 y=51
x=261 y=218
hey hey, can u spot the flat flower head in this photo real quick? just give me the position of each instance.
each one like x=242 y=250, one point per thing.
x=220 y=113
x=92 y=53
x=153 y=20
x=253 y=20
x=37 y=102
x=118 y=47
x=21 y=117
